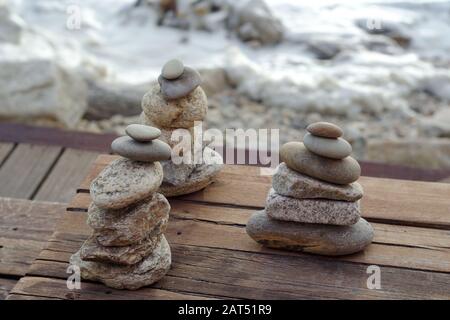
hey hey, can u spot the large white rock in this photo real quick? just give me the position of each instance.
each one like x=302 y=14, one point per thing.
x=40 y=89
x=11 y=26
x=253 y=20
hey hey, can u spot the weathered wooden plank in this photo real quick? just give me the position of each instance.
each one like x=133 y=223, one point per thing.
x=25 y=227
x=202 y=225
x=57 y=289
x=69 y=171
x=385 y=200
x=6 y=286
x=5 y=149
x=25 y=169
x=237 y=274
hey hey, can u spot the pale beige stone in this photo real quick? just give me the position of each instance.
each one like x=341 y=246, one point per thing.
x=331 y=148
x=132 y=224
x=312 y=238
x=325 y=129
x=177 y=113
x=151 y=269
x=142 y=133
x=124 y=182
x=290 y=183
x=320 y=211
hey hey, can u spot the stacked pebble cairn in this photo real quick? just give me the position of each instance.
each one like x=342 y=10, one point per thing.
x=178 y=102
x=127 y=249
x=313 y=205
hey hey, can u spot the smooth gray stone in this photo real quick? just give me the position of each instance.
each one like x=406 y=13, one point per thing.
x=142 y=133
x=325 y=130
x=181 y=87
x=312 y=238
x=151 y=151
x=172 y=69
x=300 y=159
x=326 y=147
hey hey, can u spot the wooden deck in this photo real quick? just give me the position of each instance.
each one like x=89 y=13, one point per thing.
x=214 y=258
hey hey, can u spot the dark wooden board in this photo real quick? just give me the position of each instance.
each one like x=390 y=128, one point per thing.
x=25 y=169
x=66 y=176
x=25 y=227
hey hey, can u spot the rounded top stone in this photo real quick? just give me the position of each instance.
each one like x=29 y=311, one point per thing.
x=151 y=151
x=173 y=69
x=325 y=130
x=182 y=86
x=143 y=133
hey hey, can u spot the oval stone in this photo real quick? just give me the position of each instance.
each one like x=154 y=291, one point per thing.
x=181 y=87
x=312 y=238
x=325 y=129
x=125 y=182
x=298 y=158
x=143 y=133
x=150 y=151
x=173 y=69
x=326 y=147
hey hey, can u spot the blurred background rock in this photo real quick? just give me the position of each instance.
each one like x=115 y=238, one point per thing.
x=377 y=69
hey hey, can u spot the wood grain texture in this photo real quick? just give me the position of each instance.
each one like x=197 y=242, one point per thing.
x=50 y=288
x=25 y=227
x=385 y=200
x=64 y=179
x=25 y=169
x=6 y=286
x=5 y=149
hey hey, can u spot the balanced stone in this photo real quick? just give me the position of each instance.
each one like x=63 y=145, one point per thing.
x=313 y=238
x=151 y=269
x=151 y=151
x=326 y=147
x=91 y=250
x=321 y=211
x=298 y=158
x=293 y=184
x=182 y=86
x=142 y=133
x=179 y=113
x=325 y=130
x=173 y=69
x=124 y=182
x=201 y=176
x=176 y=174
x=132 y=224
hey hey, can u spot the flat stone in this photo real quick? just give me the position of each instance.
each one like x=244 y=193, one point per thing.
x=132 y=224
x=325 y=130
x=125 y=182
x=173 y=69
x=129 y=255
x=182 y=86
x=298 y=158
x=178 y=113
x=290 y=183
x=312 y=238
x=151 y=151
x=142 y=133
x=148 y=271
x=335 y=212
x=326 y=147
x=201 y=176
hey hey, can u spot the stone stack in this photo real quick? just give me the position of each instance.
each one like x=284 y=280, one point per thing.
x=127 y=249
x=313 y=205
x=178 y=102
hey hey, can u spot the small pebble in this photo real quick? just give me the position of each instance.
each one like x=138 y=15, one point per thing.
x=182 y=86
x=173 y=69
x=143 y=133
x=151 y=151
x=326 y=147
x=325 y=130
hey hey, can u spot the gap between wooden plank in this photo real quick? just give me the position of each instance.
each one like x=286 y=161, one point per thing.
x=25 y=169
